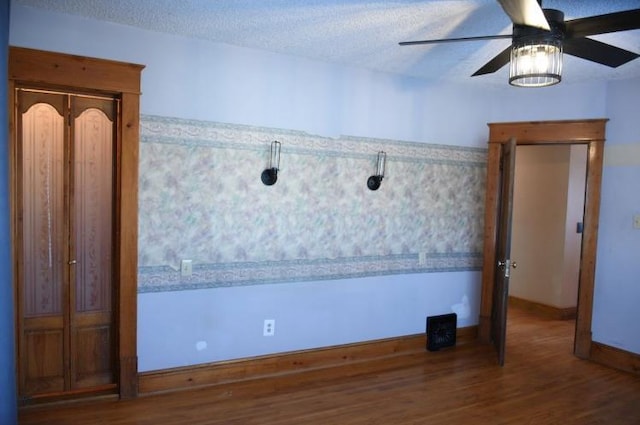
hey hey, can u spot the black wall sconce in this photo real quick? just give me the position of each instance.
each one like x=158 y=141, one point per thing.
x=373 y=182
x=270 y=175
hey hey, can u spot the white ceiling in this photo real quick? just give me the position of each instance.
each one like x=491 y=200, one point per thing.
x=361 y=33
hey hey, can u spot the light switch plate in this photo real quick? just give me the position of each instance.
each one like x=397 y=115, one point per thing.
x=186 y=268
x=636 y=221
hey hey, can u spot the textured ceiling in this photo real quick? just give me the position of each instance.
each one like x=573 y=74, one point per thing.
x=362 y=33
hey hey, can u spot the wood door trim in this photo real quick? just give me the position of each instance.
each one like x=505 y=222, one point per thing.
x=545 y=132
x=77 y=73
x=589 y=132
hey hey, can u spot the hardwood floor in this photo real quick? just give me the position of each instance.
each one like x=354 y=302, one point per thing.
x=541 y=383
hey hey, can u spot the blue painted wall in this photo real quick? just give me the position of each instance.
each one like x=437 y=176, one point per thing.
x=195 y=79
x=8 y=412
x=616 y=316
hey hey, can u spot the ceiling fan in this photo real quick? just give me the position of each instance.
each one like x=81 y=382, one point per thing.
x=541 y=35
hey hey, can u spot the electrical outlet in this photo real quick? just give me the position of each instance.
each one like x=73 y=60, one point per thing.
x=269 y=328
x=186 y=268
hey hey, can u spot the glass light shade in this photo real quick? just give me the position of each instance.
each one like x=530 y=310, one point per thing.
x=381 y=164
x=274 y=155
x=536 y=64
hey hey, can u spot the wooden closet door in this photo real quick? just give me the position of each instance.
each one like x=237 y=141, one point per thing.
x=43 y=267
x=66 y=192
x=91 y=242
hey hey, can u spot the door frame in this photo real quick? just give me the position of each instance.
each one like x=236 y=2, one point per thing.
x=589 y=132
x=64 y=72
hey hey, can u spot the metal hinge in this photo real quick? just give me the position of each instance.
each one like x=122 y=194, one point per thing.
x=506 y=266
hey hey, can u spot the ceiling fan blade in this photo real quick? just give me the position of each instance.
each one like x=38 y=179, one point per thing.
x=599 y=52
x=525 y=12
x=496 y=63
x=447 y=40
x=602 y=24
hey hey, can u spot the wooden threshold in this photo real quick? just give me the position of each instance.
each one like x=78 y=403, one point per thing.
x=293 y=368
x=544 y=310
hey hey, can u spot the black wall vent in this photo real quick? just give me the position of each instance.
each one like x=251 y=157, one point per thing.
x=441 y=331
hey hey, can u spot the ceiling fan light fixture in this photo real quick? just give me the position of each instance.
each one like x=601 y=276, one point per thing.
x=536 y=63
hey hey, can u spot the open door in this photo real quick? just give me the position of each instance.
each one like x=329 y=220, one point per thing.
x=503 y=250
x=589 y=132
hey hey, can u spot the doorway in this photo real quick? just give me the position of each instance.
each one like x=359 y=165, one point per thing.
x=547 y=229
x=587 y=132
x=95 y=81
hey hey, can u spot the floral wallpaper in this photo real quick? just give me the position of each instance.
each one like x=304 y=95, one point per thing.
x=201 y=198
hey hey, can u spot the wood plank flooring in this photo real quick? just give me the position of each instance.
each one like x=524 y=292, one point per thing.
x=541 y=383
